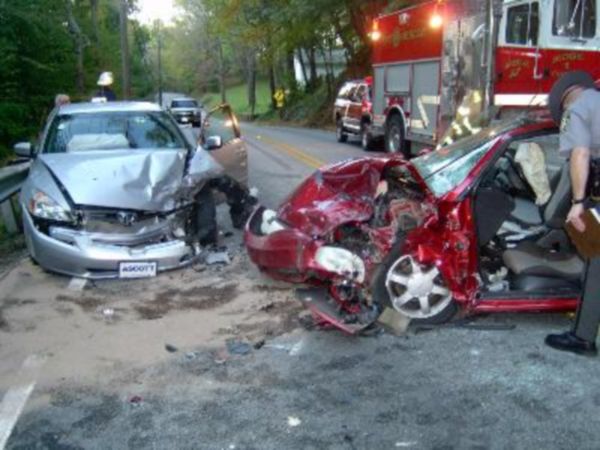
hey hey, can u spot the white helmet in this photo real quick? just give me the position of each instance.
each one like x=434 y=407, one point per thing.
x=106 y=79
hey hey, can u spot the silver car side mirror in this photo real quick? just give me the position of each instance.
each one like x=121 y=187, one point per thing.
x=23 y=149
x=213 y=143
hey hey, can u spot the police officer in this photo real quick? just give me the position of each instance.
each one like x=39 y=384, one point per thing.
x=575 y=105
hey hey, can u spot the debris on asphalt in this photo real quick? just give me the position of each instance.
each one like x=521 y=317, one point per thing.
x=199 y=266
x=220 y=356
x=238 y=347
x=394 y=321
x=405 y=444
x=218 y=257
x=294 y=421
x=260 y=344
x=108 y=314
x=307 y=322
x=372 y=330
x=268 y=307
x=136 y=400
x=77 y=284
x=291 y=349
x=191 y=355
x=171 y=348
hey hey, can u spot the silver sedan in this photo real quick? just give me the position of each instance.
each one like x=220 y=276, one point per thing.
x=116 y=190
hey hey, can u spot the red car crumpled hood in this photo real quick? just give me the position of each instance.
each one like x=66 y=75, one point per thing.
x=334 y=195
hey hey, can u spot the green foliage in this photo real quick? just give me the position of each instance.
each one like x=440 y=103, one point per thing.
x=38 y=60
x=238 y=99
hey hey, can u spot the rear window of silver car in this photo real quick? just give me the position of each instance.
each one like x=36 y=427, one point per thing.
x=184 y=104
x=112 y=131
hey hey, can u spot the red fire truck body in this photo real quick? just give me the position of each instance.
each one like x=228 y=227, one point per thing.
x=430 y=62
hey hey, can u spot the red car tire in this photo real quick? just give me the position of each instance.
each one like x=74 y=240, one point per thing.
x=420 y=282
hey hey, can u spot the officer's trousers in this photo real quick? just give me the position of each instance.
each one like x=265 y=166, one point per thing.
x=588 y=313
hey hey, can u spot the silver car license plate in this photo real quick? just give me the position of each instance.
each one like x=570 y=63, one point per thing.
x=137 y=269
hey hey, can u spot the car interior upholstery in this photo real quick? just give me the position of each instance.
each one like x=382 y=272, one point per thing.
x=522 y=243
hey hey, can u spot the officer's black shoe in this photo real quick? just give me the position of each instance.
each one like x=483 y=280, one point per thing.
x=568 y=342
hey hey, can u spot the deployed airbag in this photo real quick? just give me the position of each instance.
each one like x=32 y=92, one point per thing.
x=530 y=157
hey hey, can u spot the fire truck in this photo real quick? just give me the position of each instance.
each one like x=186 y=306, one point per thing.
x=442 y=69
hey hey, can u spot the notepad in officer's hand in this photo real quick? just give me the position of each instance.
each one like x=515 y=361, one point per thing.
x=588 y=242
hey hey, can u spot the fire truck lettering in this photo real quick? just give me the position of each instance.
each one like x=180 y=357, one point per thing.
x=514 y=73
x=567 y=57
x=408 y=35
x=516 y=63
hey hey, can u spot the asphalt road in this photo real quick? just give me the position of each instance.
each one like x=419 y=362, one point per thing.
x=493 y=386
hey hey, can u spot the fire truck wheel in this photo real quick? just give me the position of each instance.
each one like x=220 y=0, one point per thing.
x=394 y=136
x=366 y=139
x=340 y=134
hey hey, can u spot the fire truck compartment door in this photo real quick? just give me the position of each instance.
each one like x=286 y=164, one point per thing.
x=425 y=99
x=378 y=91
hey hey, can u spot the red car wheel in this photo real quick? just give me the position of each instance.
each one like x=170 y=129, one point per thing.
x=415 y=290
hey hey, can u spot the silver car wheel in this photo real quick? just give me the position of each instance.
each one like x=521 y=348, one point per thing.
x=415 y=290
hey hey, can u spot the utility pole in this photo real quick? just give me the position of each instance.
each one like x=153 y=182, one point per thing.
x=123 y=10
x=159 y=40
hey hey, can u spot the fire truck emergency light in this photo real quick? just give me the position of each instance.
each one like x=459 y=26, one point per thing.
x=375 y=34
x=436 y=21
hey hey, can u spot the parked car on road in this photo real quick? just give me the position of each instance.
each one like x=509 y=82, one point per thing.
x=116 y=190
x=186 y=111
x=352 y=112
x=475 y=226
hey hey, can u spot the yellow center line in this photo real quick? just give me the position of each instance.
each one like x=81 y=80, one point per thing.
x=294 y=152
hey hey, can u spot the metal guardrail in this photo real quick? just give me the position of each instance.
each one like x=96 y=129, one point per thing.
x=11 y=180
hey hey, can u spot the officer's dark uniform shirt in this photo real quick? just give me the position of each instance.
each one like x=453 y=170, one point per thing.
x=580 y=125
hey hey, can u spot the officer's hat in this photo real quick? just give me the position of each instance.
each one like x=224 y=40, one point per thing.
x=106 y=79
x=564 y=84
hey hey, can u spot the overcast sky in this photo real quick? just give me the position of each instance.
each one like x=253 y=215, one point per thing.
x=150 y=10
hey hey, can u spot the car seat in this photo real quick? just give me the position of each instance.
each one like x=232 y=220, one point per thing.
x=532 y=259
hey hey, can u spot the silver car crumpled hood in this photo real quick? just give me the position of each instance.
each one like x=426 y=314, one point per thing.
x=144 y=180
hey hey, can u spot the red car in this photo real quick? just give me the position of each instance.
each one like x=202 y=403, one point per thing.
x=352 y=112
x=476 y=226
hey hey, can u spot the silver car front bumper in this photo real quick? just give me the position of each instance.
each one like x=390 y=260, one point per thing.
x=79 y=254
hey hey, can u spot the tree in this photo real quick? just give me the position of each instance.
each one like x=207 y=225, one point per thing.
x=49 y=47
x=124 y=34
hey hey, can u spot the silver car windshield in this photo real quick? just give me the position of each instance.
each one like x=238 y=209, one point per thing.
x=112 y=131
x=446 y=168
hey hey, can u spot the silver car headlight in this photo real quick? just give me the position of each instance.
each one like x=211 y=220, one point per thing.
x=43 y=206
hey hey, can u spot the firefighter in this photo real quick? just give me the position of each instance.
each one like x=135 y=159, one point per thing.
x=575 y=105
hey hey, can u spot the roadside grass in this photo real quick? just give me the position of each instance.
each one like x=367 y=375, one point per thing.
x=237 y=97
x=313 y=109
